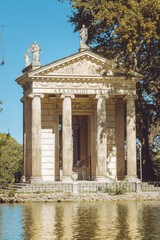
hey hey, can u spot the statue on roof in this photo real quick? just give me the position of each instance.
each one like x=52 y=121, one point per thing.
x=35 y=49
x=83 y=38
x=27 y=57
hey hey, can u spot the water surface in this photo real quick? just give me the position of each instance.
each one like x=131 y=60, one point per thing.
x=78 y=221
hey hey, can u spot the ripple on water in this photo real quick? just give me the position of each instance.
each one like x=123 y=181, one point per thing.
x=78 y=221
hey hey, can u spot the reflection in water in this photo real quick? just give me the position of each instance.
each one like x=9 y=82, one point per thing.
x=78 y=221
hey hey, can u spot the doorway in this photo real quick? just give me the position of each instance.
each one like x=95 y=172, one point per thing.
x=81 y=138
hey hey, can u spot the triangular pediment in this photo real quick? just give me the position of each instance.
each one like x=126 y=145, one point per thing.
x=81 y=64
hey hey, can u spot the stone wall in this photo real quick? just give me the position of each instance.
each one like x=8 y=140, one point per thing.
x=48 y=141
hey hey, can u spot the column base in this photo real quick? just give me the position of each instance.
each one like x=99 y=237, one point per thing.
x=132 y=178
x=103 y=179
x=57 y=178
x=67 y=179
x=36 y=180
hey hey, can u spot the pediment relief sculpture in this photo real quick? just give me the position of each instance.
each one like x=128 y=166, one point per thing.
x=82 y=67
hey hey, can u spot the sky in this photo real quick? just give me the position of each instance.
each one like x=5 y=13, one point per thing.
x=45 y=22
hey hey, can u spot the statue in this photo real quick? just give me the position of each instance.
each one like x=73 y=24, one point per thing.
x=27 y=57
x=83 y=38
x=133 y=61
x=35 y=49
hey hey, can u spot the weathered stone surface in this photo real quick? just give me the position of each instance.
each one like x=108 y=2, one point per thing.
x=63 y=197
x=98 y=126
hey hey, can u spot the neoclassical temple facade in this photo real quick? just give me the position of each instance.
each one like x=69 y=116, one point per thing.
x=78 y=112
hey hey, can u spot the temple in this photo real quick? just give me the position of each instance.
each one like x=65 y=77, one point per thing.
x=78 y=116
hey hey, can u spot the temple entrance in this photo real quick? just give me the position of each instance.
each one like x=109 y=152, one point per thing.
x=81 y=146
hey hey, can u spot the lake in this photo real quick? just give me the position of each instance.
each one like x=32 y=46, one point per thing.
x=80 y=220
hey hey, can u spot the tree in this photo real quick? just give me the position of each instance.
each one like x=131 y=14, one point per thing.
x=129 y=32
x=156 y=157
x=11 y=158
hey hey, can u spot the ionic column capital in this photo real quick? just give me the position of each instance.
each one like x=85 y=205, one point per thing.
x=72 y=96
x=98 y=96
x=33 y=95
x=131 y=96
x=23 y=99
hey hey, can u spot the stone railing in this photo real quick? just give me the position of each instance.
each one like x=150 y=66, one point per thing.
x=87 y=187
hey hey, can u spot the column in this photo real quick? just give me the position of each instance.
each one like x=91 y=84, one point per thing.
x=131 y=140
x=57 y=169
x=101 y=139
x=93 y=147
x=89 y=148
x=67 y=151
x=120 y=138
x=27 y=141
x=36 y=137
x=23 y=100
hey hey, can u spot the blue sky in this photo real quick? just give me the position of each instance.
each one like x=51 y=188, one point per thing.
x=25 y=22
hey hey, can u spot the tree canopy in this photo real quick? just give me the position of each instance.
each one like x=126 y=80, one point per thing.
x=11 y=157
x=129 y=32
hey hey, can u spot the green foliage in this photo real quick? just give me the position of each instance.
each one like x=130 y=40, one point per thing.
x=116 y=189
x=156 y=164
x=156 y=158
x=11 y=193
x=11 y=157
x=118 y=29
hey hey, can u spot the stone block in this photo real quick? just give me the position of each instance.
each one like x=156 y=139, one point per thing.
x=47 y=147
x=47 y=172
x=110 y=101
x=47 y=141
x=49 y=165
x=110 y=118
x=51 y=112
x=47 y=131
x=48 y=178
x=48 y=118
x=51 y=124
x=48 y=153
x=44 y=112
x=110 y=113
x=110 y=107
x=45 y=124
x=48 y=106
x=45 y=100
x=42 y=106
x=47 y=159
